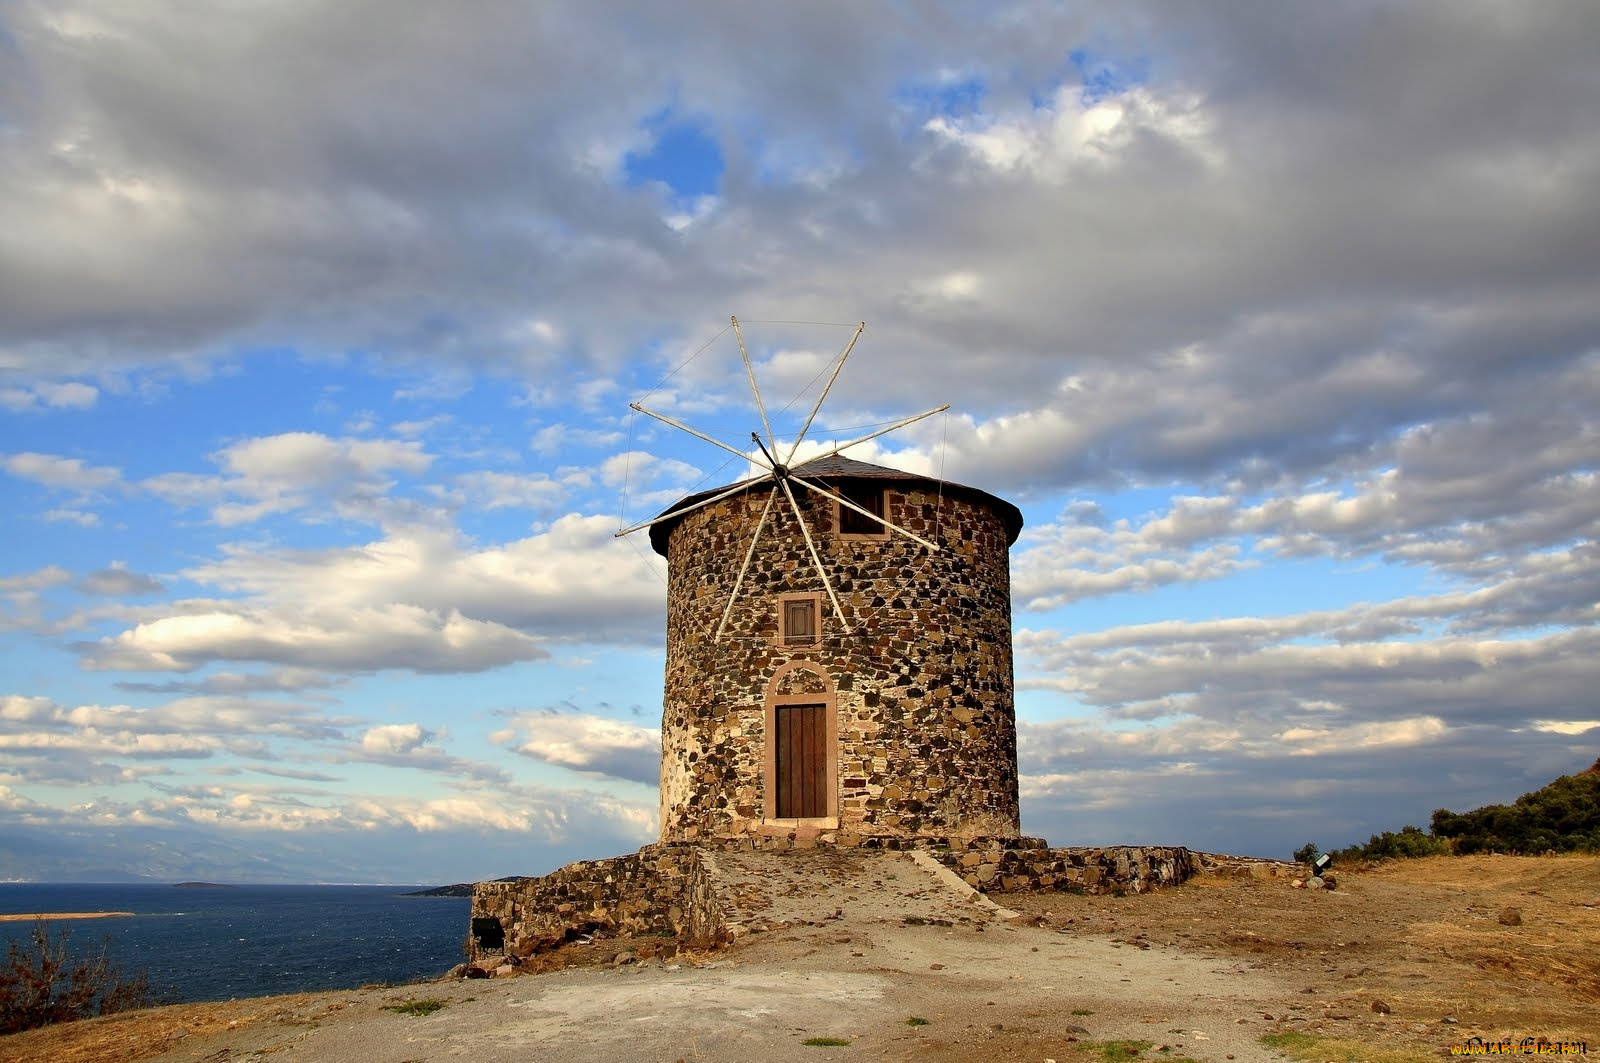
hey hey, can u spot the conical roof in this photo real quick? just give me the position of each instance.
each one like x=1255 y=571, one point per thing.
x=835 y=467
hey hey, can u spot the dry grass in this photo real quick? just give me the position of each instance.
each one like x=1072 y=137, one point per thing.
x=1314 y=1049
x=1421 y=937
x=137 y=1034
x=1527 y=976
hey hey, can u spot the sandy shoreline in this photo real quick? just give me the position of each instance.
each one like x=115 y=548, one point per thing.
x=20 y=917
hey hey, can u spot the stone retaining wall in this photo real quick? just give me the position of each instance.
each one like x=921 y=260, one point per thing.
x=1013 y=865
x=1001 y=865
x=1248 y=866
x=663 y=890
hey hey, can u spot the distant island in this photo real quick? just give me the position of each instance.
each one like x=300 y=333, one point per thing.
x=460 y=889
x=202 y=886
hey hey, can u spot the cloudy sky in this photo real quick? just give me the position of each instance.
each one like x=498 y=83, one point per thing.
x=319 y=323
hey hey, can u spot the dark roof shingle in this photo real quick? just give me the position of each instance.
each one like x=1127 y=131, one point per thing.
x=835 y=466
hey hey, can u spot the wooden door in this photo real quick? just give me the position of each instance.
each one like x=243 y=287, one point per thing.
x=802 y=758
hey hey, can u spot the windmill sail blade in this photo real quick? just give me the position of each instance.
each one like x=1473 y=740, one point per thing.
x=664 y=419
x=843 y=501
x=727 y=610
x=860 y=328
x=777 y=471
x=674 y=514
x=913 y=419
x=750 y=372
x=816 y=558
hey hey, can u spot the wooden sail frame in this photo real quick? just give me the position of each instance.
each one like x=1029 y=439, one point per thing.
x=780 y=474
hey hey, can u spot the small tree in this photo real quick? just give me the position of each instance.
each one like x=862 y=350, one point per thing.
x=1307 y=853
x=45 y=982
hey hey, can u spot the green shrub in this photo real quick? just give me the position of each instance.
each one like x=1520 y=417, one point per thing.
x=46 y=981
x=1307 y=853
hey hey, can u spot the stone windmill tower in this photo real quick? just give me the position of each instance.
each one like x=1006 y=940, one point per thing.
x=838 y=652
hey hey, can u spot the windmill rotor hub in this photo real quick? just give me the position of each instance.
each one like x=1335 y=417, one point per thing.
x=780 y=471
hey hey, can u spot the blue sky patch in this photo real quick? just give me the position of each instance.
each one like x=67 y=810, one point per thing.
x=685 y=157
x=1103 y=76
x=957 y=98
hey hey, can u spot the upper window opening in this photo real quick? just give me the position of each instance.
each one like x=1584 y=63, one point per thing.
x=799 y=617
x=870 y=498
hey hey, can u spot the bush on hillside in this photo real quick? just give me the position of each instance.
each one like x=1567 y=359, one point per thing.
x=1407 y=843
x=1563 y=817
x=46 y=981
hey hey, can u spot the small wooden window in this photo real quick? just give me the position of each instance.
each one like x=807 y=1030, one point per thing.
x=797 y=618
x=870 y=498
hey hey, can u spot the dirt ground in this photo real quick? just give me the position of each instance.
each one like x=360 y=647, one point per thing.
x=1422 y=938
x=1399 y=962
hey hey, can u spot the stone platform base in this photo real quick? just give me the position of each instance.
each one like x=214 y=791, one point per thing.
x=692 y=893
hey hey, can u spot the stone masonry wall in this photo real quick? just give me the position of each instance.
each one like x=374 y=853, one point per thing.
x=1222 y=864
x=921 y=683
x=1010 y=865
x=662 y=889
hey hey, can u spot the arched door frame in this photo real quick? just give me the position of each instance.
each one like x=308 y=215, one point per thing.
x=829 y=700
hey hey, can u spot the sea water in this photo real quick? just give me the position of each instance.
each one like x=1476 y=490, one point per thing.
x=217 y=943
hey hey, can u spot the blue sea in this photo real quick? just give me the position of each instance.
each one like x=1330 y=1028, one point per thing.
x=217 y=943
